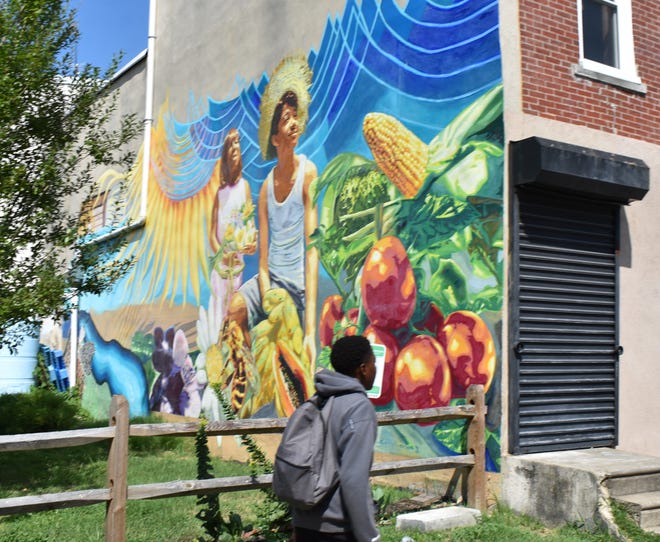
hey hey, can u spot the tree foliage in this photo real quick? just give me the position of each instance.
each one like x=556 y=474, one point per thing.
x=54 y=131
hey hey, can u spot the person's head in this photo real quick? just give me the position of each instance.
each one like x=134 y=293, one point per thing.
x=231 y=165
x=285 y=122
x=352 y=356
x=287 y=92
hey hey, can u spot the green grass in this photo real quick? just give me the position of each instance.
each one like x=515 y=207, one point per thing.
x=501 y=525
x=173 y=519
x=631 y=529
x=84 y=467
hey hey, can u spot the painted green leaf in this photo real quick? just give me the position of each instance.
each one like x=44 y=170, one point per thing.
x=488 y=299
x=468 y=176
x=434 y=221
x=473 y=119
x=323 y=359
x=341 y=259
x=333 y=173
x=493 y=448
x=452 y=434
x=442 y=281
x=486 y=243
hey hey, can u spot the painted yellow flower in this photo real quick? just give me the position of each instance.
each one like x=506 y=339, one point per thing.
x=214 y=364
x=239 y=236
x=229 y=232
x=247 y=211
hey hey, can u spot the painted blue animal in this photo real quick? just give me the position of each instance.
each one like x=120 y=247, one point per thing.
x=118 y=366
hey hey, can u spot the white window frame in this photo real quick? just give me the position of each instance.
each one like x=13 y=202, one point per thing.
x=626 y=74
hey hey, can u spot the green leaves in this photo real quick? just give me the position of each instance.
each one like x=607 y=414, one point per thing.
x=427 y=225
x=453 y=436
x=442 y=281
x=475 y=164
x=331 y=177
x=472 y=120
x=274 y=515
x=353 y=215
x=54 y=132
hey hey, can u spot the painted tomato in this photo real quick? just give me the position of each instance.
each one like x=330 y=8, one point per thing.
x=421 y=375
x=377 y=335
x=331 y=313
x=388 y=284
x=470 y=350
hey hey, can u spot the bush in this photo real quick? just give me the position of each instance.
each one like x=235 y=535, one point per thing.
x=40 y=410
x=41 y=374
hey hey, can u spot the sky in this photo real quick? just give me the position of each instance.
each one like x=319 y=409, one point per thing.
x=110 y=26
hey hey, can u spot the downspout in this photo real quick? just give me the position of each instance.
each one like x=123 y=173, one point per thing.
x=148 y=109
x=73 y=342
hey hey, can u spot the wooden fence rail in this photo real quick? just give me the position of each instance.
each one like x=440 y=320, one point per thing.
x=118 y=492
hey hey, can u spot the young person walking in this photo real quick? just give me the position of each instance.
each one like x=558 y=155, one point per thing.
x=347 y=514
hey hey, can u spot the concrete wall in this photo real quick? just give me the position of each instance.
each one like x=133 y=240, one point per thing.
x=554 y=493
x=639 y=303
x=130 y=84
x=128 y=91
x=211 y=50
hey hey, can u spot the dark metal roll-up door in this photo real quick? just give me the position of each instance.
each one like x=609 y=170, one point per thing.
x=564 y=325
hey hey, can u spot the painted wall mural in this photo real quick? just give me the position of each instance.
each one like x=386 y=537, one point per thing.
x=355 y=189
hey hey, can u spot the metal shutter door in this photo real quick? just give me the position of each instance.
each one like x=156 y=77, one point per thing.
x=565 y=335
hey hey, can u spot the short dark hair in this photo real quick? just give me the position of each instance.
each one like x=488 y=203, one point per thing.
x=288 y=98
x=349 y=352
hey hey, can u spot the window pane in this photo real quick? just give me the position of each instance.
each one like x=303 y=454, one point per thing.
x=93 y=214
x=599 y=32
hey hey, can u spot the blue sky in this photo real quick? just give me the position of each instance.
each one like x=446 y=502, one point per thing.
x=110 y=26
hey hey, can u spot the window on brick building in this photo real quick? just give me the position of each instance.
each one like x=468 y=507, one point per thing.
x=607 y=50
x=600 y=32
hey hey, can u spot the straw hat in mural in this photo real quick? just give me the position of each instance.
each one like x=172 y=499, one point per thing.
x=292 y=74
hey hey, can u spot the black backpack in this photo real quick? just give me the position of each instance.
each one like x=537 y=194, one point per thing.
x=305 y=468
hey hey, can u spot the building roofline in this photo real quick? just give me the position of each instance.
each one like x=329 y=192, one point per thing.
x=130 y=64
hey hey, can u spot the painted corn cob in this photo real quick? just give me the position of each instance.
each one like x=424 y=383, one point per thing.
x=398 y=152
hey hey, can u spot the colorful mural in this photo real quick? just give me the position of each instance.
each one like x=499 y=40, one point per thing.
x=355 y=189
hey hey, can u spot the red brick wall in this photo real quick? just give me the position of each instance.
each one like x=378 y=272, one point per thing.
x=550 y=48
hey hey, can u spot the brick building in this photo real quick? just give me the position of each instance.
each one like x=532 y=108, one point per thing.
x=596 y=124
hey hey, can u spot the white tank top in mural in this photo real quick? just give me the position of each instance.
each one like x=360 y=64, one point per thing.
x=286 y=224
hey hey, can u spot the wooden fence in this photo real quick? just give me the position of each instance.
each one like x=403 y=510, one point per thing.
x=118 y=492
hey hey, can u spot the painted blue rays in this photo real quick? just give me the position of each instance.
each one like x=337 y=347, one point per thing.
x=425 y=63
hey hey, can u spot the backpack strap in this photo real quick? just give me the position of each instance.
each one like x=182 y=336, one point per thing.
x=320 y=400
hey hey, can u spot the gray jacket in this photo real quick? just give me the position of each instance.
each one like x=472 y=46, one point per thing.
x=353 y=427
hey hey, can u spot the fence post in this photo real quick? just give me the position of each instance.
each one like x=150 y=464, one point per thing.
x=115 y=515
x=476 y=444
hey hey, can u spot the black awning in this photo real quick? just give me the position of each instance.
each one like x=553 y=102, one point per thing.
x=581 y=170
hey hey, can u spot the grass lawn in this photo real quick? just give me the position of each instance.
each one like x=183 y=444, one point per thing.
x=501 y=525
x=51 y=471
x=166 y=459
